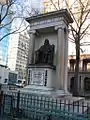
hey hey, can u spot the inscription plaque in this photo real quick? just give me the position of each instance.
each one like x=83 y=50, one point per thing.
x=38 y=77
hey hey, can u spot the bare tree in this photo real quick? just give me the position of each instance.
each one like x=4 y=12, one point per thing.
x=9 y=16
x=14 y=11
x=80 y=12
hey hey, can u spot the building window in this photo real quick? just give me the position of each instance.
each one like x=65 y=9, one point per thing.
x=5 y=81
x=87 y=84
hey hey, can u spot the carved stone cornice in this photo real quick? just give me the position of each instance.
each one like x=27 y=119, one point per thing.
x=46 y=21
x=62 y=27
x=59 y=13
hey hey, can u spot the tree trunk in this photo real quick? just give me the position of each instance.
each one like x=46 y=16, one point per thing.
x=76 y=81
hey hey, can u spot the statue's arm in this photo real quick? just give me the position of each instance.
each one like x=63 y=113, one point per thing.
x=52 y=52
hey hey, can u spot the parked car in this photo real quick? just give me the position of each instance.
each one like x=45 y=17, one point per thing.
x=20 y=83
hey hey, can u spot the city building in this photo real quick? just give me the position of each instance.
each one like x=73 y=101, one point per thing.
x=3 y=1
x=84 y=74
x=29 y=7
x=3 y=48
x=83 y=65
x=53 y=5
x=18 y=53
x=7 y=76
x=4 y=30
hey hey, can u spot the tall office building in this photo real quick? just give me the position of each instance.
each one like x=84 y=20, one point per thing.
x=28 y=7
x=19 y=43
x=3 y=49
x=3 y=31
x=18 y=53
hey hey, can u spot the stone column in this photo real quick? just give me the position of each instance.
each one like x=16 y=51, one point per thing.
x=62 y=58
x=31 y=47
x=66 y=59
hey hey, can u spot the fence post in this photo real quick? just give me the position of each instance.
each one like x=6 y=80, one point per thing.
x=0 y=87
x=1 y=102
x=18 y=101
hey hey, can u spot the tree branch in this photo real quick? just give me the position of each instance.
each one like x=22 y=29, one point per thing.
x=83 y=32
x=58 y=4
x=13 y=32
x=10 y=22
x=54 y=4
x=84 y=18
x=71 y=40
x=11 y=2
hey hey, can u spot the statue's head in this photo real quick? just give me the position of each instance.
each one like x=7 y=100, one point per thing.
x=46 y=42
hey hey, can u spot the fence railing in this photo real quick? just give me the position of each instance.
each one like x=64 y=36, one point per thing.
x=41 y=107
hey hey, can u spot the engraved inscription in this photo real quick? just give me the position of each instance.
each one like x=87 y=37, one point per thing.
x=38 y=77
x=48 y=21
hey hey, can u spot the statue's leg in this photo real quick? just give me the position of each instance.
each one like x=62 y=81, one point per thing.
x=50 y=61
x=44 y=59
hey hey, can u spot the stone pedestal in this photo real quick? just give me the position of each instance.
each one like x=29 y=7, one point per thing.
x=46 y=91
x=43 y=75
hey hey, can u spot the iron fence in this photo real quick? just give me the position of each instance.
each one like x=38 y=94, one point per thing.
x=41 y=107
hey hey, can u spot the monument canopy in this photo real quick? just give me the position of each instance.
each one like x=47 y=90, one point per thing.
x=59 y=13
x=49 y=47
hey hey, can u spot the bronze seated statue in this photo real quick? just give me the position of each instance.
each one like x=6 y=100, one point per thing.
x=45 y=54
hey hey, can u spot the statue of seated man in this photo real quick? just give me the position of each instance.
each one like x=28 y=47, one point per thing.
x=45 y=53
